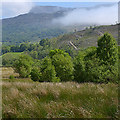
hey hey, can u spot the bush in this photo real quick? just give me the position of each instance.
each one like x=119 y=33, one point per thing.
x=63 y=64
x=79 y=67
x=81 y=61
x=48 y=71
x=23 y=65
x=11 y=77
x=36 y=74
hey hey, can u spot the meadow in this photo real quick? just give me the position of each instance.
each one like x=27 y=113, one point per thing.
x=23 y=98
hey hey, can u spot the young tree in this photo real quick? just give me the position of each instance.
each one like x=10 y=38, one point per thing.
x=107 y=49
x=63 y=64
x=36 y=74
x=23 y=65
x=48 y=71
x=79 y=67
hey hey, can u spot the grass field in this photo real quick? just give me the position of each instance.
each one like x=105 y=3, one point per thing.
x=7 y=72
x=27 y=99
x=23 y=98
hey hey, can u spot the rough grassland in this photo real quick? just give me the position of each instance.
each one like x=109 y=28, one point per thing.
x=23 y=98
x=7 y=71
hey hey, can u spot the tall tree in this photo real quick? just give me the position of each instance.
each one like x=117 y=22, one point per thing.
x=48 y=71
x=107 y=52
x=107 y=49
x=23 y=65
x=63 y=64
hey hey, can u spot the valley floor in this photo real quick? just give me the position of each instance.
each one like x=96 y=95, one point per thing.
x=23 y=98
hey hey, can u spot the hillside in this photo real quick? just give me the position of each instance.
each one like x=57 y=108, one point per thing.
x=28 y=27
x=35 y=25
x=70 y=42
x=9 y=58
x=87 y=37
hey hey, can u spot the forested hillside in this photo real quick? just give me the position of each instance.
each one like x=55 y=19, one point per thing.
x=70 y=42
x=35 y=25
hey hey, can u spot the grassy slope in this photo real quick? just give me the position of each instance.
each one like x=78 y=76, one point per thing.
x=23 y=98
x=11 y=56
x=86 y=38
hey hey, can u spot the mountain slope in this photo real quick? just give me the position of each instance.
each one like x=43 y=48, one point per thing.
x=32 y=26
x=87 y=37
x=35 y=25
x=38 y=24
x=29 y=27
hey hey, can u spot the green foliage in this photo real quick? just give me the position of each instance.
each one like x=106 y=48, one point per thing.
x=93 y=68
x=107 y=49
x=23 y=65
x=108 y=53
x=36 y=74
x=34 y=54
x=98 y=65
x=94 y=64
x=9 y=58
x=83 y=63
x=48 y=71
x=57 y=51
x=79 y=67
x=11 y=77
x=23 y=47
x=63 y=64
x=5 y=49
x=44 y=42
x=102 y=64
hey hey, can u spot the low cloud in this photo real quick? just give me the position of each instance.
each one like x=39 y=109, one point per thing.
x=102 y=14
x=11 y=9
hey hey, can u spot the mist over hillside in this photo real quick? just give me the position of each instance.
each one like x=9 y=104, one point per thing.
x=49 y=9
x=48 y=22
x=33 y=26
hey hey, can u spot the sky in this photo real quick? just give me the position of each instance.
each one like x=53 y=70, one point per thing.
x=12 y=8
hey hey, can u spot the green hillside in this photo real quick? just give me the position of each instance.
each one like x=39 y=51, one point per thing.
x=32 y=27
x=9 y=58
x=71 y=42
x=87 y=37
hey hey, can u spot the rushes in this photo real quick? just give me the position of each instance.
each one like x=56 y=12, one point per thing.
x=59 y=100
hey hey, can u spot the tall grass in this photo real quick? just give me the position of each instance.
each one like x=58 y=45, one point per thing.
x=7 y=72
x=59 y=100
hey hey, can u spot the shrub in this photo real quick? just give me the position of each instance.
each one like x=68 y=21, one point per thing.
x=11 y=77
x=48 y=71
x=23 y=65
x=79 y=67
x=81 y=61
x=63 y=64
x=36 y=74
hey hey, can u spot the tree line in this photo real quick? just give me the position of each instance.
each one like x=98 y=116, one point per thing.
x=94 y=64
